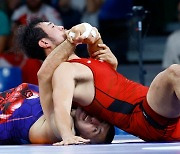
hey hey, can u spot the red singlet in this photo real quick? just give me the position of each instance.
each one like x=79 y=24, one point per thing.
x=122 y=102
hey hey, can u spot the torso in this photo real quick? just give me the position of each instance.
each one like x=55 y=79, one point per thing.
x=111 y=96
x=94 y=76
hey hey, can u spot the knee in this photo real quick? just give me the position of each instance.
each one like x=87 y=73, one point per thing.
x=173 y=72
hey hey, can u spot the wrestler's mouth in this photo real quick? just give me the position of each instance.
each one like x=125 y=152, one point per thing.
x=85 y=117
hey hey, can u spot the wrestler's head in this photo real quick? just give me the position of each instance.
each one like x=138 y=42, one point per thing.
x=91 y=128
x=56 y=35
x=39 y=38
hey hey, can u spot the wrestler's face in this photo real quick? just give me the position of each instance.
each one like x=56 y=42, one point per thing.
x=56 y=33
x=90 y=127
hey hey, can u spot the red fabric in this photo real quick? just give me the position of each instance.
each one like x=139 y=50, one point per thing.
x=12 y=58
x=111 y=86
x=28 y=66
x=29 y=71
x=171 y=132
x=23 y=20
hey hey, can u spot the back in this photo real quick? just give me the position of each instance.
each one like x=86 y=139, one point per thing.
x=19 y=109
x=112 y=83
x=115 y=98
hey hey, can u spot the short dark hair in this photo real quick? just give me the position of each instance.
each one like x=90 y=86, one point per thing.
x=27 y=38
x=110 y=135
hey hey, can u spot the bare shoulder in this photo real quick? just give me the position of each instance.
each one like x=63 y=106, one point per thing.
x=65 y=71
x=75 y=70
x=41 y=133
x=72 y=67
x=65 y=67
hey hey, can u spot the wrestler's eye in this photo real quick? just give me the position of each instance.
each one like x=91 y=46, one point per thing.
x=95 y=129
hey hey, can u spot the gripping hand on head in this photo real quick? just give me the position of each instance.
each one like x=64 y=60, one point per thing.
x=83 y=33
x=105 y=54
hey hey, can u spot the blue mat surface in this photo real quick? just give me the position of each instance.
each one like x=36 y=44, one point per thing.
x=121 y=144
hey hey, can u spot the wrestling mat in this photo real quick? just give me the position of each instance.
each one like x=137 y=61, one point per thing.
x=121 y=144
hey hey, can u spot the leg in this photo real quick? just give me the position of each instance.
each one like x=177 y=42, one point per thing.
x=164 y=92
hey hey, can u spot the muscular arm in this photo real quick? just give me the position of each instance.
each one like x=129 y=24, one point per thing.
x=54 y=59
x=64 y=81
x=94 y=43
x=63 y=84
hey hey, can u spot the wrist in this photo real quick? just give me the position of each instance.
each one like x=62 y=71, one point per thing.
x=67 y=46
x=67 y=135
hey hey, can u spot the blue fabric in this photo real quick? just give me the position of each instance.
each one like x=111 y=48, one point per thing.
x=4 y=24
x=23 y=106
x=10 y=77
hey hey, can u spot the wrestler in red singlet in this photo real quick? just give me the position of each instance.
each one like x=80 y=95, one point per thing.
x=122 y=103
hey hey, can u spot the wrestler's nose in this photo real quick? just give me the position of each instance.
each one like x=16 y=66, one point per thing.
x=61 y=27
x=95 y=121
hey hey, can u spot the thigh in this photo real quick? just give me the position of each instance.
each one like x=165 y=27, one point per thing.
x=161 y=96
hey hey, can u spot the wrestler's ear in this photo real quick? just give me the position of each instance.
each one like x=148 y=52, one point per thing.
x=44 y=43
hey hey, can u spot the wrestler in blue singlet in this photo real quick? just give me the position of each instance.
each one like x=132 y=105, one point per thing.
x=19 y=109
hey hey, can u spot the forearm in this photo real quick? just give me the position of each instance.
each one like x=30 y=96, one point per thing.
x=54 y=59
x=63 y=88
x=63 y=123
x=94 y=47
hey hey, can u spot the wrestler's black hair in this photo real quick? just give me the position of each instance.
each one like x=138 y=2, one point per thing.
x=27 y=38
x=110 y=135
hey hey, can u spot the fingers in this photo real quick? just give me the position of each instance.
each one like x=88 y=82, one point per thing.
x=93 y=36
x=69 y=35
x=99 y=52
x=80 y=39
x=105 y=50
x=105 y=54
x=104 y=46
x=62 y=143
x=74 y=37
x=103 y=57
x=71 y=141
